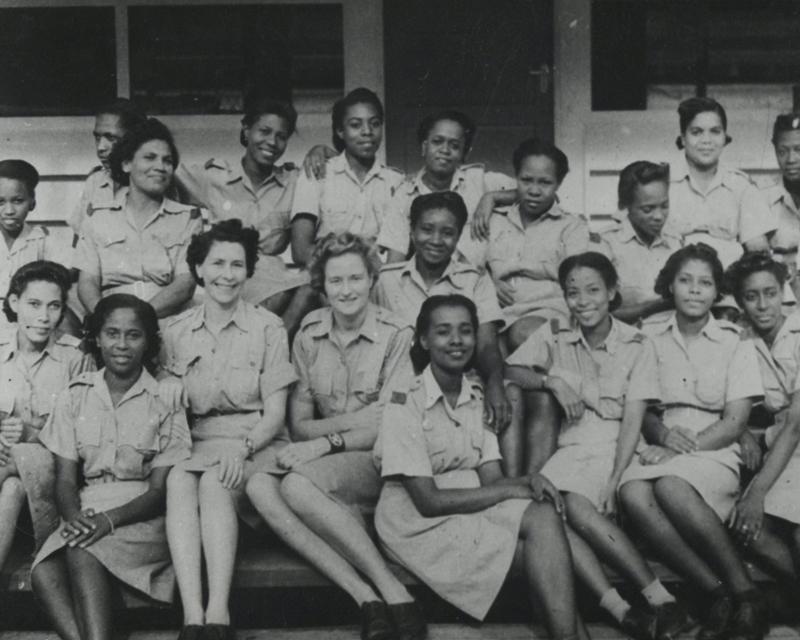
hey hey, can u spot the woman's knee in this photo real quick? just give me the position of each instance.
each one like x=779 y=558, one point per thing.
x=181 y=482
x=672 y=489
x=295 y=490
x=636 y=495
x=542 y=521
x=13 y=488
x=263 y=489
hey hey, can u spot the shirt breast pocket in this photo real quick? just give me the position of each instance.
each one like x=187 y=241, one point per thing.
x=88 y=431
x=435 y=439
x=614 y=384
x=711 y=384
x=114 y=253
x=243 y=385
x=322 y=391
x=160 y=257
x=139 y=444
x=367 y=386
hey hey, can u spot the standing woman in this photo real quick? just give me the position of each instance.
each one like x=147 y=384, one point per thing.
x=767 y=517
x=259 y=192
x=111 y=430
x=229 y=360
x=711 y=202
x=446 y=138
x=350 y=358
x=354 y=193
x=446 y=512
x=603 y=374
x=682 y=487
x=137 y=244
x=37 y=362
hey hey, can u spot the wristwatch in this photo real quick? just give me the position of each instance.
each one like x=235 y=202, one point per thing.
x=337 y=443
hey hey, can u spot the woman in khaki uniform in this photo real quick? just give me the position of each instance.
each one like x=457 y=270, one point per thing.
x=112 y=429
x=679 y=491
x=36 y=364
x=137 y=244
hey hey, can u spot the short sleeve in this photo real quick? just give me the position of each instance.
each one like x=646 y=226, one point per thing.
x=485 y=298
x=60 y=252
x=600 y=244
x=300 y=360
x=193 y=227
x=490 y=451
x=575 y=237
x=744 y=377
x=277 y=372
x=192 y=183
x=174 y=440
x=496 y=181
x=78 y=215
x=307 y=196
x=58 y=435
x=757 y=218
x=402 y=447
x=643 y=383
x=395 y=232
x=501 y=261
x=536 y=351
x=87 y=257
x=397 y=370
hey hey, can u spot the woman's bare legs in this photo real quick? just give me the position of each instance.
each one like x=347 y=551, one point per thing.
x=51 y=586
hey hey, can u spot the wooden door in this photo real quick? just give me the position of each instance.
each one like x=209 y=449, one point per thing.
x=490 y=59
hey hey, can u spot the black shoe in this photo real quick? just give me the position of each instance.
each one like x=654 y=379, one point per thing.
x=191 y=632
x=213 y=631
x=718 y=622
x=408 y=621
x=750 y=621
x=639 y=624
x=673 y=620
x=375 y=622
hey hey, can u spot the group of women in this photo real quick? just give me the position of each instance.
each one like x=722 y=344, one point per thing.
x=455 y=375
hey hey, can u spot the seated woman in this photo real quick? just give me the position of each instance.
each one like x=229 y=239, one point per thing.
x=259 y=192
x=354 y=191
x=604 y=374
x=137 y=243
x=111 y=429
x=36 y=364
x=639 y=245
x=529 y=241
x=22 y=242
x=767 y=517
x=679 y=491
x=437 y=221
x=350 y=358
x=446 y=512
x=446 y=139
x=230 y=361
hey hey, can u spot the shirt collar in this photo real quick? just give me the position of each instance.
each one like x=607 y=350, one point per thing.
x=236 y=173
x=554 y=212
x=454 y=267
x=339 y=164
x=433 y=393
x=9 y=346
x=239 y=317
x=628 y=234
x=679 y=171
x=368 y=329
x=613 y=338
x=145 y=384
x=778 y=193
x=712 y=330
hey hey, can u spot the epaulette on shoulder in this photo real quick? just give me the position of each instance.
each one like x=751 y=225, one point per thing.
x=68 y=340
x=212 y=163
x=392 y=266
x=581 y=216
x=288 y=166
x=475 y=165
x=638 y=337
x=312 y=317
x=85 y=378
x=7 y=336
x=94 y=170
x=39 y=230
x=398 y=397
x=396 y=170
x=266 y=315
x=387 y=317
x=729 y=326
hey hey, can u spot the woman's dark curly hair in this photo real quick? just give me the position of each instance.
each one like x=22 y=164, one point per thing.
x=447 y=200
x=746 y=266
x=675 y=262
x=334 y=245
x=420 y=358
x=257 y=106
x=21 y=171
x=596 y=262
x=690 y=108
x=226 y=231
x=539 y=147
x=466 y=123
x=356 y=96
x=38 y=271
x=132 y=141
x=95 y=321
x=637 y=174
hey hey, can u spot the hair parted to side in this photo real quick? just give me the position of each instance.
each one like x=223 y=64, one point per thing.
x=639 y=173
x=257 y=105
x=334 y=245
x=132 y=141
x=466 y=123
x=38 y=271
x=128 y=112
x=690 y=108
x=231 y=230
x=598 y=263
x=539 y=147
x=361 y=95
x=21 y=171
x=675 y=262
x=447 y=200
x=746 y=266
x=420 y=358
x=95 y=321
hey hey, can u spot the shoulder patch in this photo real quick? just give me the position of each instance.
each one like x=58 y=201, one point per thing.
x=194 y=214
x=85 y=378
x=398 y=397
x=312 y=317
x=387 y=317
x=594 y=237
x=555 y=325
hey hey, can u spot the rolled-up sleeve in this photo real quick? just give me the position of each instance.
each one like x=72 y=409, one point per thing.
x=402 y=450
x=174 y=439
x=276 y=372
x=744 y=376
x=58 y=435
x=643 y=381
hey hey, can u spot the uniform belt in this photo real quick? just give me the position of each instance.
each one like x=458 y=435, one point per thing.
x=104 y=478
x=216 y=413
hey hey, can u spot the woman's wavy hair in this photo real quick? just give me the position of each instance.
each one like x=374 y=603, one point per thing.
x=690 y=108
x=539 y=147
x=447 y=200
x=21 y=171
x=675 y=262
x=231 y=230
x=639 y=173
x=466 y=123
x=38 y=271
x=132 y=141
x=334 y=245
x=746 y=266
x=95 y=321
x=420 y=358
x=598 y=263
x=360 y=95
x=257 y=106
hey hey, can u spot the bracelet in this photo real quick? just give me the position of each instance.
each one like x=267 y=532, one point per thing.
x=107 y=517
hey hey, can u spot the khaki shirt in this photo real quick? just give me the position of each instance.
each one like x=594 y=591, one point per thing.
x=124 y=442
x=401 y=289
x=471 y=182
x=637 y=263
x=341 y=202
x=781 y=203
x=226 y=192
x=32 y=244
x=421 y=435
x=367 y=370
x=113 y=248
x=99 y=190
x=29 y=391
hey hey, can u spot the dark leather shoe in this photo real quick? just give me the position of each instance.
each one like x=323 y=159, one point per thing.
x=375 y=622
x=191 y=632
x=718 y=622
x=639 y=624
x=750 y=621
x=213 y=631
x=673 y=619
x=408 y=621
